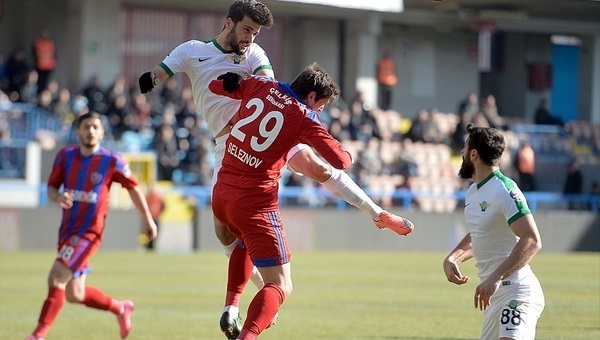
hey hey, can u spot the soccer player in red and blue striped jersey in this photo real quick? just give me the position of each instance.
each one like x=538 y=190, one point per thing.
x=79 y=183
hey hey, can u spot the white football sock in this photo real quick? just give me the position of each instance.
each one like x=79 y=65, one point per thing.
x=342 y=186
x=228 y=249
x=234 y=311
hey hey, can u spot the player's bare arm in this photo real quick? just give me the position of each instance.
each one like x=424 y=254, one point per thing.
x=463 y=252
x=139 y=200
x=63 y=199
x=528 y=245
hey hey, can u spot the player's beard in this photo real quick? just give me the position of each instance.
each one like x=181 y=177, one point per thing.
x=232 y=39
x=467 y=169
x=89 y=143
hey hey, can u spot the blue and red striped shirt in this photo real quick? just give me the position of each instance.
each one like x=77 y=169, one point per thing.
x=88 y=179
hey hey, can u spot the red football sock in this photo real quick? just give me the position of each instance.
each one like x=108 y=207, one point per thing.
x=95 y=298
x=262 y=310
x=52 y=306
x=240 y=269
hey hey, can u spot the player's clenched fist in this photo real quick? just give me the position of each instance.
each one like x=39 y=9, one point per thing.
x=65 y=200
x=147 y=82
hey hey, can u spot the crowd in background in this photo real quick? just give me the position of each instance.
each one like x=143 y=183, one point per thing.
x=390 y=150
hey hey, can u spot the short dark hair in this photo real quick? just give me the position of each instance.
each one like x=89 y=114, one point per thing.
x=315 y=78
x=489 y=143
x=257 y=11
x=88 y=115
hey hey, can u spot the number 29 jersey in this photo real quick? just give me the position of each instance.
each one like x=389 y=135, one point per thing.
x=270 y=121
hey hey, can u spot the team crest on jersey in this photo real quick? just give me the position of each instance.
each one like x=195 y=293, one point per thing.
x=236 y=58
x=513 y=304
x=484 y=205
x=515 y=195
x=74 y=240
x=96 y=177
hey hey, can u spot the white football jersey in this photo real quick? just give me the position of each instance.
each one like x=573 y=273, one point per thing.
x=204 y=61
x=490 y=208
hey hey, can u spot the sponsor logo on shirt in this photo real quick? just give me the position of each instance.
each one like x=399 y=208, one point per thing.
x=515 y=195
x=84 y=196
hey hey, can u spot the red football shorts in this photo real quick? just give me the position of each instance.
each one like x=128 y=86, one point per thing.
x=75 y=253
x=262 y=233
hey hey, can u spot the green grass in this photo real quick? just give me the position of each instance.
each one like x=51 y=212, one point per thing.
x=362 y=295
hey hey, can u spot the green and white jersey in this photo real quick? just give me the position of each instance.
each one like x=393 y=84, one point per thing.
x=490 y=208
x=204 y=61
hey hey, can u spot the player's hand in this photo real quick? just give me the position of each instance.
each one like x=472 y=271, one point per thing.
x=65 y=200
x=484 y=292
x=147 y=82
x=150 y=229
x=453 y=273
x=231 y=81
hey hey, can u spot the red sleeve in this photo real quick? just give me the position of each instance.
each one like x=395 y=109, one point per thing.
x=315 y=135
x=57 y=175
x=122 y=173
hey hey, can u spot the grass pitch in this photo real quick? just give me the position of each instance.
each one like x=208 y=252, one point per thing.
x=337 y=295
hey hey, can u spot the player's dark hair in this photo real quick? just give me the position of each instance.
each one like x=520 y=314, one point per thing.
x=315 y=78
x=488 y=142
x=257 y=11
x=89 y=115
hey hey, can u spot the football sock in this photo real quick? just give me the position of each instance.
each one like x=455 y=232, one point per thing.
x=97 y=299
x=228 y=249
x=238 y=274
x=52 y=306
x=263 y=308
x=342 y=186
x=234 y=311
x=255 y=277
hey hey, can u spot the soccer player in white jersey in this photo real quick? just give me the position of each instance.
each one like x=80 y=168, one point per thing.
x=502 y=237
x=234 y=50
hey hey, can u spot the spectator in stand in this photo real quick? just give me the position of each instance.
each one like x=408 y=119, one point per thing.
x=44 y=56
x=62 y=107
x=166 y=146
x=44 y=101
x=420 y=128
x=94 y=94
x=363 y=125
x=119 y=116
x=457 y=140
x=525 y=164
x=573 y=183
x=490 y=111
x=543 y=115
x=30 y=89
x=117 y=88
x=17 y=70
x=387 y=78
x=470 y=106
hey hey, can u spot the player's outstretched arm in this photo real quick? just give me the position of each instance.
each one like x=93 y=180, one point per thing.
x=139 y=200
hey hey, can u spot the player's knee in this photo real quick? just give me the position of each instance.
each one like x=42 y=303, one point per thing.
x=287 y=288
x=74 y=296
x=223 y=234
